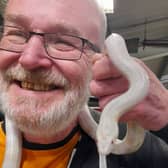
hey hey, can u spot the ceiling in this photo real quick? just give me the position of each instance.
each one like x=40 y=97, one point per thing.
x=143 y=19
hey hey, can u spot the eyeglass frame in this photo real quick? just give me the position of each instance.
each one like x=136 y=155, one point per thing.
x=84 y=41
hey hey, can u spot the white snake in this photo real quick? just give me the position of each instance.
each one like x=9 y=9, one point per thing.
x=13 y=150
x=106 y=132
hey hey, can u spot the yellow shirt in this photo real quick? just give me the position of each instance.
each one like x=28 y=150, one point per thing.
x=58 y=157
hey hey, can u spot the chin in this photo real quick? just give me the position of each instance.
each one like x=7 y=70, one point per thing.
x=48 y=113
x=33 y=117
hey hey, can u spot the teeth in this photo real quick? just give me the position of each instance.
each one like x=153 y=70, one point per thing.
x=35 y=86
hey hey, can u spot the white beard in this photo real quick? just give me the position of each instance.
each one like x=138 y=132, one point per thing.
x=28 y=114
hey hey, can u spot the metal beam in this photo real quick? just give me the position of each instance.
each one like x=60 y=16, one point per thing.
x=163 y=66
x=152 y=57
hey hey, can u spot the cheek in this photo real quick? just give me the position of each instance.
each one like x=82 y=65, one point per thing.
x=7 y=59
x=74 y=70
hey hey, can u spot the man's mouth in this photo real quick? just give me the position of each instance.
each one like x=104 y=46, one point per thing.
x=36 y=86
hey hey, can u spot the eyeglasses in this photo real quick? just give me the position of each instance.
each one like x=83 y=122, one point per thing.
x=57 y=45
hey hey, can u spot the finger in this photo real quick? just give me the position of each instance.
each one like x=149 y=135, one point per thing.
x=96 y=57
x=112 y=86
x=135 y=113
x=103 y=69
x=144 y=114
x=103 y=101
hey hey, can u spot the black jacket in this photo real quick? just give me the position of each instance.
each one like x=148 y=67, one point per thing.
x=152 y=154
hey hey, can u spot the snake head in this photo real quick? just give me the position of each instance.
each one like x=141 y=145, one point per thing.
x=107 y=134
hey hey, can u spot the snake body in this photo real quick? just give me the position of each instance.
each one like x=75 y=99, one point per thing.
x=107 y=130
x=13 y=150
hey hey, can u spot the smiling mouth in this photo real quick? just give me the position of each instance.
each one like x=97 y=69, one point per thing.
x=36 y=86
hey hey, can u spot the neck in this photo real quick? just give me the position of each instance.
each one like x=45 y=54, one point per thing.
x=44 y=139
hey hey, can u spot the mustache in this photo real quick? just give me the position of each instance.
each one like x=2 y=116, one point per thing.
x=48 y=77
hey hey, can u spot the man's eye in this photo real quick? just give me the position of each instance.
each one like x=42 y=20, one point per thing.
x=18 y=37
x=63 y=45
x=15 y=33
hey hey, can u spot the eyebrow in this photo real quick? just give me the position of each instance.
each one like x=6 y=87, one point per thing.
x=21 y=20
x=16 y=19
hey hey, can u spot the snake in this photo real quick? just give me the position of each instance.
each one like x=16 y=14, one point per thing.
x=13 y=150
x=105 y=133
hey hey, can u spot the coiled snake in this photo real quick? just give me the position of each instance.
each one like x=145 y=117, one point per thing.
x=106 y=132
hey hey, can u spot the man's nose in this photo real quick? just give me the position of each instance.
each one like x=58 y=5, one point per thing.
x=34 y=55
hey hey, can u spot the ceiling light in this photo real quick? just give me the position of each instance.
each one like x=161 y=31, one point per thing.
x=107 y=5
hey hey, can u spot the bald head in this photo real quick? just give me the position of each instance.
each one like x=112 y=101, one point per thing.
x=91 y=10
x=85 y=15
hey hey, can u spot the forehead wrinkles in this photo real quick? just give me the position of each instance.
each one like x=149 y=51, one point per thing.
x=76 y=12
x=80 y=8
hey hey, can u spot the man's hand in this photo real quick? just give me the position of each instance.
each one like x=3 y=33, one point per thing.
x=108 y=83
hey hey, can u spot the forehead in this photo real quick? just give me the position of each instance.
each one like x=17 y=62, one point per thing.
x=45 y=14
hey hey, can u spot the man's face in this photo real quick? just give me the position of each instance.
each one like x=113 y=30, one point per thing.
x=37 y=92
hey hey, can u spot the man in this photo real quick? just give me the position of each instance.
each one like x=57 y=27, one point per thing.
x=48 y=51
